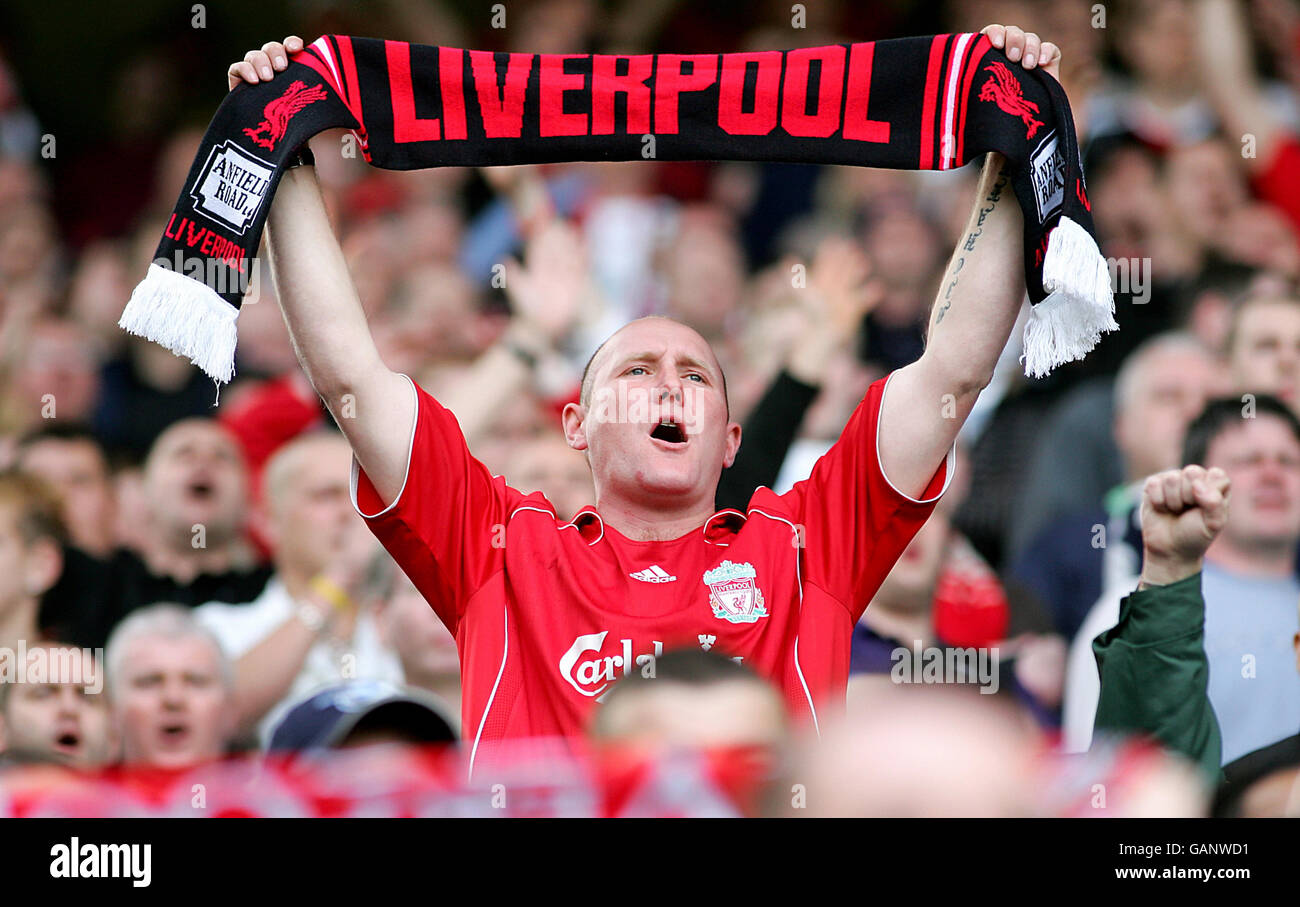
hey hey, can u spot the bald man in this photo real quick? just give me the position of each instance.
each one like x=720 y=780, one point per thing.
x=547 y=614
x=313 y=625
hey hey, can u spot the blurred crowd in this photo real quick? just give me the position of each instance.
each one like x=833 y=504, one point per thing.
x=213 y=551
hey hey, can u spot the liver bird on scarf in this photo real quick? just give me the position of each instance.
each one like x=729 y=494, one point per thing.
x=280 y=111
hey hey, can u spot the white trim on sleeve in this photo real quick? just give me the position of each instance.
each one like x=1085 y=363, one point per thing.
x=410 y=447
x=949 y=461
x=798 y=573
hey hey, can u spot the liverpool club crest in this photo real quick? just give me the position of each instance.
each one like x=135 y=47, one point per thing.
x=733 y=593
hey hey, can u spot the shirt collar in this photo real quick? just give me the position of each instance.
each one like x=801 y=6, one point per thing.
x=720 y=528
x=589 y=525
x=717 y=529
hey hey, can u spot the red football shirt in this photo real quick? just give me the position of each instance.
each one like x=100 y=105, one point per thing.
x=547 y=615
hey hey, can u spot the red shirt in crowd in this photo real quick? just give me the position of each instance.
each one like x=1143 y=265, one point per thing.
x=547 y=615
x=1278 y=183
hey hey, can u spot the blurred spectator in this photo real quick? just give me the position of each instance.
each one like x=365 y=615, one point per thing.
x=143 y=391
x=901 y=613
x=30 y=557
x=129 y=528
x=923 y=753
x=360 y=714
x=143 y=85
x=704 y=274
x=264 y=415
x=1263 y=783
x=1001 y=454
x=907 y=252
x=809 y=394
x=941 y=596
x=1204 y=184
x=98 y=288
x=171 y=689
x=59 y=714
x=1152 y=663
x=265 y=350
x=192 y=548
x=1207 y=304
x=691 y=699
x=1141 y=780
x=427 y=651
x=1127 y=201
x=55 y=374
x=1263 y=346
x=1249 y=582
x=1159 y=101
x=29 y=252
x=313 y=623
x=1269 y=145
x=432 y=316
x=19 y=131
x=20 y=182
x=496 y=398
x=69 y=458
x=196 y=488
x=1082 y=546
x=549 y=465
x=1265 y=794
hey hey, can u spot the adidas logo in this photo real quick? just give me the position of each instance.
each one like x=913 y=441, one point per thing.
x=653 y=574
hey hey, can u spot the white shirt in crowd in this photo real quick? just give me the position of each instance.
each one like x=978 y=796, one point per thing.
x=241 y=627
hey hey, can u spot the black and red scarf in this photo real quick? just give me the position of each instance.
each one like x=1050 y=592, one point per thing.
x=929 y=103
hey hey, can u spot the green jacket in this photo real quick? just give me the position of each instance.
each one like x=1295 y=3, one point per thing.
x=1154 y=673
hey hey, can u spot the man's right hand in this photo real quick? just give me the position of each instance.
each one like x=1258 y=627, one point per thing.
x=1183 y=511
x=262 y=65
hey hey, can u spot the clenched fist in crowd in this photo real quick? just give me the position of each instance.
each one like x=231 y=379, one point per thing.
x=1183 y=510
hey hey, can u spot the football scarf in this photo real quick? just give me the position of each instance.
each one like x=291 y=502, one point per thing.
x=930 y=103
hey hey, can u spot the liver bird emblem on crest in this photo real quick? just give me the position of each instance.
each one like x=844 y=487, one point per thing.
x=281 y=110
x=1004 y=90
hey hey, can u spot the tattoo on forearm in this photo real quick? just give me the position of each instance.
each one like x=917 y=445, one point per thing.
x=992 y=199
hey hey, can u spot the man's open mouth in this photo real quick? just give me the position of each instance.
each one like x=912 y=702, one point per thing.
x=67 y=742
x=669 y=432
x=175 y=733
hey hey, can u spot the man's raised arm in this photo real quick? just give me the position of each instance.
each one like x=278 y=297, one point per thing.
x=372 y=404
x=983 y=288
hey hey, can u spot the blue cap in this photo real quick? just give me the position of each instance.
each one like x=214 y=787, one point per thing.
x=326 y=718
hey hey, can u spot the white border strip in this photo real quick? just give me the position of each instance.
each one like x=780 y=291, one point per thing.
x=950 y=461
x=410 y=448
x=798 y=572
x=324 y=47
x=572 y=524
x=947 y=141
x=505 y=653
